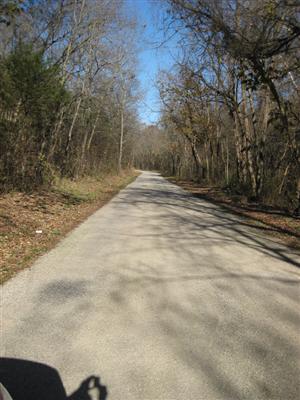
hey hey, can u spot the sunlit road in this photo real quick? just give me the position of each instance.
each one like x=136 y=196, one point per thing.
x=165 y=297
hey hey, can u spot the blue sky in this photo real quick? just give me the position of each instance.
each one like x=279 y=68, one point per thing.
x=153 y=56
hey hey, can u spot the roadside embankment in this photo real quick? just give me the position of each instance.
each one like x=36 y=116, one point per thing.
x=277 y=223
x=32 y=223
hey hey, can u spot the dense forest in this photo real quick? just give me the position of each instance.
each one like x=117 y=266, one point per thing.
x=231 y=105
x=68 y=90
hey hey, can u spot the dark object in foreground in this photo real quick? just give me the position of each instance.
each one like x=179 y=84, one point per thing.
x=28 y=380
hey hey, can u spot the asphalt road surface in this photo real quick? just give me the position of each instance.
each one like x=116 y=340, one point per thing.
x=165 y=297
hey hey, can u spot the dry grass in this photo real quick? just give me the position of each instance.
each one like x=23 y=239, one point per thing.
x=55 y=212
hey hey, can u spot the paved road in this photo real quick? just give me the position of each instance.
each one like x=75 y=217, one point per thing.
x=164 y=296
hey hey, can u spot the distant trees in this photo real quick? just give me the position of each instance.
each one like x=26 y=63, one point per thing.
x=235 y=94
x=151 y=148
x=59 y=72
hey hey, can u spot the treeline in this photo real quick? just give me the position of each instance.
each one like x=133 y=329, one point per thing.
x=67 y=90
x=231 y=106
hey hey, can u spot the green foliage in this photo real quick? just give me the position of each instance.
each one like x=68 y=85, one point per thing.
x=28 y=79
x=31 y=95
x=44 y=127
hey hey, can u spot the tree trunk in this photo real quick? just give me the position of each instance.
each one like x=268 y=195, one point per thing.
x=93 y=131
x=72 y=126
x=227 y=163
x=207 y=162
x=197 y=159
x=240 y=149
x=250 y=140
x=121 y=141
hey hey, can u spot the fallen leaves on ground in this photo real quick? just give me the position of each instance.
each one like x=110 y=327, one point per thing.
x=273 y=221
x=31 y=224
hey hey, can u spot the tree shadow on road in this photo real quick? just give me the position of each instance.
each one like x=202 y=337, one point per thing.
x=215 y=329
x=227 y=224
x=28 y=380
x=227 y=313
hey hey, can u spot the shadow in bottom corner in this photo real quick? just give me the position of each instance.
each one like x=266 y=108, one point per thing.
x=28 y=380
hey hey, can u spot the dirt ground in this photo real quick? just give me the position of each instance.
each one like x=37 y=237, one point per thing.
x=274 y=222
x=31 y=224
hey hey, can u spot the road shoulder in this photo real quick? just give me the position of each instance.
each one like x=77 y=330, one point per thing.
x=33 y=223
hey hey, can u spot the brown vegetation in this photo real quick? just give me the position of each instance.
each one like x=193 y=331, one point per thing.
x=31 y=223
x=231 y=103
x=67 y=90
x=274 y=222
x=68 y=99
